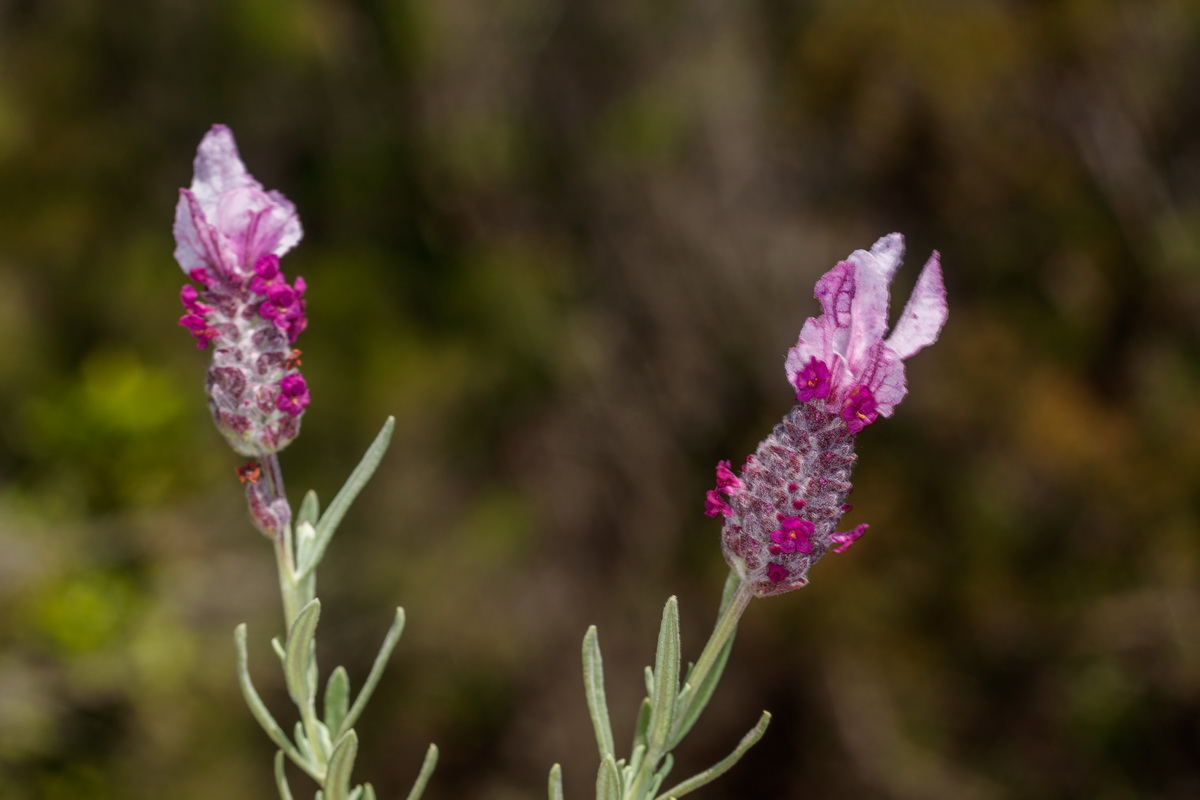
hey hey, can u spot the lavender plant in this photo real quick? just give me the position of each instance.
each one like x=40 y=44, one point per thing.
x=229 y=235
x=781 y=513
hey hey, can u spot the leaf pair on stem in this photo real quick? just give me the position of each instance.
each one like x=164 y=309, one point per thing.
x=668 y=712
x=325 y=747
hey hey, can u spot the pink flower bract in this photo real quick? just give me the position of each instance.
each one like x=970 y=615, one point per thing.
x=225 y=222
x=847 y=340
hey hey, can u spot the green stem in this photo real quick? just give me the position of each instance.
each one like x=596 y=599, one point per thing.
x=287 y=582
x=296 y=594
x=725 y=628
x=285 y=559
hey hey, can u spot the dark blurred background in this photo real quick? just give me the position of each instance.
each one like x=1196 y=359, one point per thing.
x=567 y=244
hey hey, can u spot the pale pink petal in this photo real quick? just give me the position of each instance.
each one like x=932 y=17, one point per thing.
x=811 y=344
x=248 y=221
x=888 y=254
x=286 y=221
x=196 y=243
x=849 y=337
x=817 y=341
x=884 y=376
x=234 y=216
x=274 y=230
x=218 y=168
x=873 y=273
x=924 y=314
x=836 y=291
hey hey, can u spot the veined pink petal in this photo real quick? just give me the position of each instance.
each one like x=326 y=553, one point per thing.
x=197 y=245
x=924 y=314
x=873 y=273
x=218 y=168
x=888 y=254
x=274 y=231
x=814 y=342
x=884 y=376
x=848 y=338
x=836 y=290
x=226 y=221
x=819 y=339
x=256 y=225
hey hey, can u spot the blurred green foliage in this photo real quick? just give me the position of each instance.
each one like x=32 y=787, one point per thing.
x=567 y=244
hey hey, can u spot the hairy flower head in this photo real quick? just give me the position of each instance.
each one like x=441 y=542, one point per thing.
x=781 y=513
x=229 y=235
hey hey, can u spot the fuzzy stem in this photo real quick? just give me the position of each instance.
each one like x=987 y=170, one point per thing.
x=725 y=627
x=296 y=593
x=285 y=559
x=723 y=630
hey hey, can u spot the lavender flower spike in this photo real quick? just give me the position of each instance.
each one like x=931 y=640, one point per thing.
x=782 y=512
x=229 y=235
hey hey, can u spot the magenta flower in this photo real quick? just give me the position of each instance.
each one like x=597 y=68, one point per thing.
x=812 y=382
x=229 y=235
x=794 y=535
x=860 y=410
x=781 y=513
x=293 y=395
x=725 y=478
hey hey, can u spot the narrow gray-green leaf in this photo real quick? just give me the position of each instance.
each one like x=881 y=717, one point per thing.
x=324 y=740
x=281 y=783
x=640 y=726
x=368 y=792
x=305 y=746
x=259 y=709
x=341 y=764
x=298 y=654
x=310 y=509
x=555 y=783
x=364 y=695
x=328 y=523
x=306 y=540
x=431 y=758
x=337 y=698
x=661 y=775
x=635 y=763
x=694 y=699
x=709 y=775
x=356 y=793
x=593 y=687
x=666 y=678
x=608 y=780
x=667 y=765
x=277 y=646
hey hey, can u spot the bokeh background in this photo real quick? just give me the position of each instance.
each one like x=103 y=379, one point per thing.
x=567 y=244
